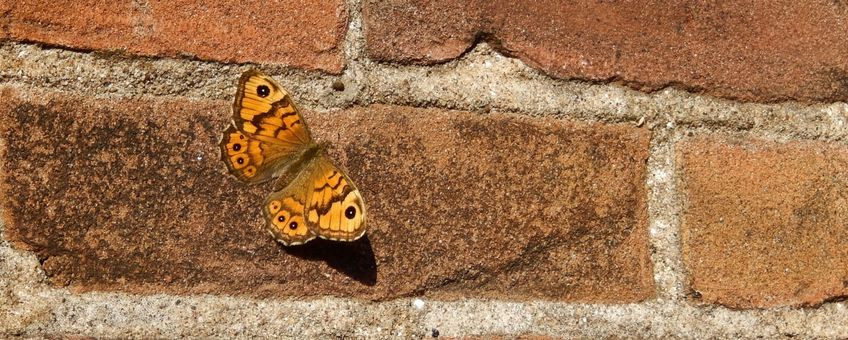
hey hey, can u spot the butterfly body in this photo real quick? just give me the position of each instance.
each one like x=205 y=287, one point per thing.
x=269 y=140
x=289 y=171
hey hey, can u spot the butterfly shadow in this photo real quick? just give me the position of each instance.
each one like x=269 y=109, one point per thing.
x=354 y=259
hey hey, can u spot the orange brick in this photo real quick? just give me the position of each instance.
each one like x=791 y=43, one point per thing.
x=751 y=50
x=299 y=33
x=765 y=223
x=130 y=195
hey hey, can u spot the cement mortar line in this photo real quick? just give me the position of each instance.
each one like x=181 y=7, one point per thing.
x=664 y=217
x=58 y=311
x=3 y=240
x=354 y=41
x=353 y=46
x=652 y=319
x=481 y=80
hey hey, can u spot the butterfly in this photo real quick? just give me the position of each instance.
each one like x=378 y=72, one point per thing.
x=269 y=139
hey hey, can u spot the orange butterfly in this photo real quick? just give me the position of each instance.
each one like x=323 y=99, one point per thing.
x=269 y=139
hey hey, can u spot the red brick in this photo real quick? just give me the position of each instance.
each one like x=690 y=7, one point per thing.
x=750 y=50
x=765 y=223
x=299 y=33
x=130 y=195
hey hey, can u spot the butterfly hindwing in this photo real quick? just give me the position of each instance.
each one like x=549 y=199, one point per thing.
x=334 y=209
x=284 y=213
x=321 y=201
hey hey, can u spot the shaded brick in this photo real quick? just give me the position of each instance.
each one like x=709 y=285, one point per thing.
x=130 y=195
x=748 y=50
x=765 y=223
x=299 y=33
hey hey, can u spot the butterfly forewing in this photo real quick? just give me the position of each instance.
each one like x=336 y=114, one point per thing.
x=268 y=130
x=262 y=108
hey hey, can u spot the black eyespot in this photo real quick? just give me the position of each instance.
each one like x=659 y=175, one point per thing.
x=240 y=160
x=262 y=91
x=236 y=147
x=281 y=218
x=293 y=225
x=350 y=212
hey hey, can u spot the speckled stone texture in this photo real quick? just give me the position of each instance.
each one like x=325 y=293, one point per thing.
x=749 y=50
x=300 y=33
x=765 y=223
x=130 y=195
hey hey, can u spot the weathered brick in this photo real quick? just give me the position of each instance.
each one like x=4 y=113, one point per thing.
x=304 y=34
x=130 y=195
x=750 y=50
x=764 y=223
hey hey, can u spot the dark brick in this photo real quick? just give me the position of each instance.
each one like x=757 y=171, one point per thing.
x=749 y=50
x=130 y=195
x=765 y=223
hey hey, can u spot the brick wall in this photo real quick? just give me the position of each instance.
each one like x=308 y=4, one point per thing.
x=539 y=169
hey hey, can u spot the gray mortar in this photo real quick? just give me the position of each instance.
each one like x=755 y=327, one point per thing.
x=481 y=81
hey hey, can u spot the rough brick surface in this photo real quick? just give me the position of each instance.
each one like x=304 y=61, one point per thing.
x=300 y=33
x=749 y=50
x=130 y=195
x=765 y=224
